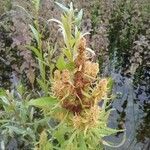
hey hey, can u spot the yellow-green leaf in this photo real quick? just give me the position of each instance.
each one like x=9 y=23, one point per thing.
x=43 y=102
x=61 y=64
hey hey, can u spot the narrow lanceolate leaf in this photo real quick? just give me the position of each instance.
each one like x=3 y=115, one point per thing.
x=79 y=17
x=62 y=7
x=35 y=33
x=55 y=20
x=35 y=50
x=43 y=102
x=68 y=54
x=43 y=85
x=16 y=129
x=80 y=14
x=106 y=131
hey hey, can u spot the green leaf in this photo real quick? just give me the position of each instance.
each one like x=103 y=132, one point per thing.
x=80 y=14
x=79 y=17
x=60 y=133
x=35 y=33
x=106 y=131
x=35 y=50
x=20 y=89
x=68 y=54
x=62 y=7
x=70 y=66
x=43 y=102
x=16 y=129
x=43 y=85
x=72 y=137
x=61 y=64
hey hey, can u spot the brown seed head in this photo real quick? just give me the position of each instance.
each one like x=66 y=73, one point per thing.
x=61 y=85
x=65 y=76
x=88 y=119
x=91 y=69
x=57 y=75
x=100 y=90
x=82 y=45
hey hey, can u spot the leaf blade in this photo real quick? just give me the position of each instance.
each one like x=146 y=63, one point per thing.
x=43 y=101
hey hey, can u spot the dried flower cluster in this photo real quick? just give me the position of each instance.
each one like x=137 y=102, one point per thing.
x=80 y=90
x=87 y=119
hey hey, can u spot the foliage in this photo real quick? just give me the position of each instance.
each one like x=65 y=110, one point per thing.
x=44 y=57
x=16 y=119
x=125 y=26
x=5 y=6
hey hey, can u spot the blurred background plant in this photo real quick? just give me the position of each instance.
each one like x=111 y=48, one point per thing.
x=18 y=124
x=5 y=6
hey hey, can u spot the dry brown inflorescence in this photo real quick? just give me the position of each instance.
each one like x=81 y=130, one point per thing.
x=80 y=89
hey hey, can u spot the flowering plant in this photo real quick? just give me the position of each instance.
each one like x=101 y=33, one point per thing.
x=76 y=91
